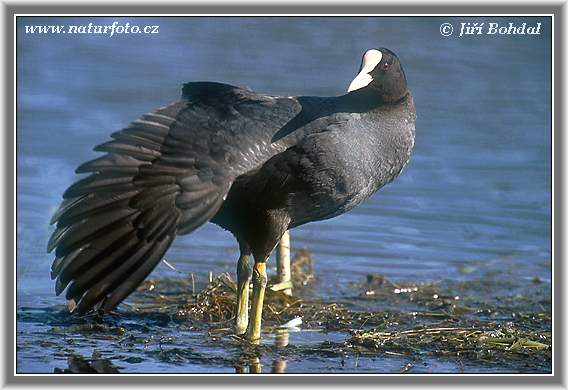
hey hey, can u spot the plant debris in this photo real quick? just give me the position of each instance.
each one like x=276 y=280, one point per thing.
x=458 y=341
x=477 y=323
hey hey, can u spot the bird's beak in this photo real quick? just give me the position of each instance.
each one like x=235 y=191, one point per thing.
x=360 y=81
x=370 y=60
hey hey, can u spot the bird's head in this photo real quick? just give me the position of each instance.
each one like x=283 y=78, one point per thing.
x=380 y=74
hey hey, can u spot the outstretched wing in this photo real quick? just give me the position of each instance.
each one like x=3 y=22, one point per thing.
x=166 y=174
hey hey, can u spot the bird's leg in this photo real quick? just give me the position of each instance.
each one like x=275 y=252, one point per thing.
x=243 y=281
x=283 y=261
x=258 y=286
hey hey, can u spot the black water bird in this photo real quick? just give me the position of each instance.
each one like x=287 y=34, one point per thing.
x=252 y=163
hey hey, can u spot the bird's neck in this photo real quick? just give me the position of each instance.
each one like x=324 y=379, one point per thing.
x=367 y=99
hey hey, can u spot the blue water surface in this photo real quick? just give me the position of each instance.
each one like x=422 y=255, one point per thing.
x=476 y=196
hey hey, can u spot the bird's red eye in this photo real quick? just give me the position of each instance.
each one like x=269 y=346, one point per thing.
x=386 y=66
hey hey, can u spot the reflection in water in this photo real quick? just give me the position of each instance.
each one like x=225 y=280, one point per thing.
x=248 y=364
x=279 y=366
x=251 y=361
x=79 y=365
x=255 y=366
x=281 y=340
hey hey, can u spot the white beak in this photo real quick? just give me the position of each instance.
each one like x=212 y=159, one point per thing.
x=370 y=60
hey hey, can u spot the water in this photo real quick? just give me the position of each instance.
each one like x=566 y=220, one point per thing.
x=475 y=197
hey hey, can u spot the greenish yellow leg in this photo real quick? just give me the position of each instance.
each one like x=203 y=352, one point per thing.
x=258 y=286
x=243 y=281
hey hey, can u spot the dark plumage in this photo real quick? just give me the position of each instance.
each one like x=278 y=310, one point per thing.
x=251 y=163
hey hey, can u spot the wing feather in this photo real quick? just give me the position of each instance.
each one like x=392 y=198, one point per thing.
x=166 y=174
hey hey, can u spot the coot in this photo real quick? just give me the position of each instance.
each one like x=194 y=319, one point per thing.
x=252 y=163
